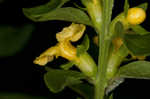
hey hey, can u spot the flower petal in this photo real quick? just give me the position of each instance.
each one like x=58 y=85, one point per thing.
x=74 y=32
x=67 y=50
x=47 y=56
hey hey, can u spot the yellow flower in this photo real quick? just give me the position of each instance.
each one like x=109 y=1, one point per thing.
x=136 y=16
x=63 y=48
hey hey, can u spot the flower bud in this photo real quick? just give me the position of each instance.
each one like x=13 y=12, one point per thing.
x=136 y=16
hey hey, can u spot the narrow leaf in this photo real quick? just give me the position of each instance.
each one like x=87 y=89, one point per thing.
x=86 y=42
x=79 y=7
x=139 y=29
x=126 y=7
x=80 y=50
x=84 y=46
x=138 y=70
x=143 y=5
x=107 y=13
x=57 y=80
x=138 y=44
x=64 y=14
x=38 y=10
x=13 y=39
x=119 y=29
x=67 y=66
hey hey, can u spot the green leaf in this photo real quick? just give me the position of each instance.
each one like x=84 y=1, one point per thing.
x=138 y=44
x=57 y=80
x=79 y=7
x=67 y=66
x=13 y=39
x=84 y=46
x=138 y=70
x=126 y=7
x=143 y=5
x=80 y=50
x=139 y=29
x=84 y=89
x=19 y=96
x=38 y=10
x=64 y=14
x=86 y=42
x=119 y=29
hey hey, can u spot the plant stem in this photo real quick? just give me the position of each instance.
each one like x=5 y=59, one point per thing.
x=101 y=17
x=101 y=81
x=104 y=49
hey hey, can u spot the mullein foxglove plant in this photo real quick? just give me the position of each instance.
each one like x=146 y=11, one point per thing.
x=116 y=38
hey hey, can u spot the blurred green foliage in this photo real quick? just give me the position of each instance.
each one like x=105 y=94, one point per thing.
x=19 y=96
x=14 y=38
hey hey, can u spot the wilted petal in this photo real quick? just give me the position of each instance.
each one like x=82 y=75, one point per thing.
x=47 y=56
x=74 y=32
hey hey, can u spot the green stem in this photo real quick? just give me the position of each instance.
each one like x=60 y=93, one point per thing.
x=95 y=10
x=101 y=82
x=104 y=50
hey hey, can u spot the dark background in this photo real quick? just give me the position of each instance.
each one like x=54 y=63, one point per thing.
x=19 y=74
